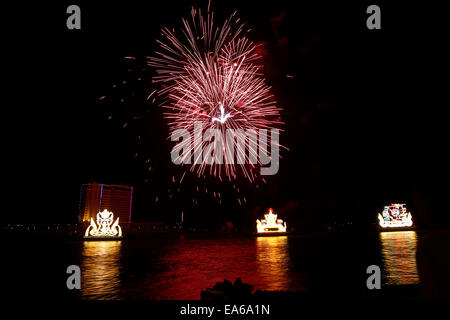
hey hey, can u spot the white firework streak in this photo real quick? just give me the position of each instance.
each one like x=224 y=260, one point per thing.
x=211 y=75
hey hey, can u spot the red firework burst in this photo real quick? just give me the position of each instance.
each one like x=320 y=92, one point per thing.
x=211 y=75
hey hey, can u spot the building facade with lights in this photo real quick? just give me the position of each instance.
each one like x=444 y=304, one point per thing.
x=96 y=197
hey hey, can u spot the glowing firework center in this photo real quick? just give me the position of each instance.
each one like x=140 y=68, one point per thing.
x=210 y=74
x=271 y=224
x=395 y=216
x=104 y=228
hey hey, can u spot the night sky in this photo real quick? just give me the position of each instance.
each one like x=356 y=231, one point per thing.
x=363 y=118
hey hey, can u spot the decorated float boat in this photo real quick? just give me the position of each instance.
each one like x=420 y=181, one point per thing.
x=395 y=217
x=104 y=228
x=270 y=226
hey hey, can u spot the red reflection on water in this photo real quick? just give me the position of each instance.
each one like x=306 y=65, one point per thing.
x=191 y=266
x=182 y=268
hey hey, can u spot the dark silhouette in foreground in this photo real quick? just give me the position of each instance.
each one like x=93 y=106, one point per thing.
x=225 y=291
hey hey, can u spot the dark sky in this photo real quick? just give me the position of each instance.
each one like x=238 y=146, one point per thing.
x=363 y=117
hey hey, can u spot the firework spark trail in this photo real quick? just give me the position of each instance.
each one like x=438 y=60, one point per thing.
x=210 y=75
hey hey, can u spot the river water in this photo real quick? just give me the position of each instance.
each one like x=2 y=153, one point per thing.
x=162 y=267
x=182 y=268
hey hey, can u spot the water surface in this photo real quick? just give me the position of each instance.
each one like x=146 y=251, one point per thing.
x=182 y=268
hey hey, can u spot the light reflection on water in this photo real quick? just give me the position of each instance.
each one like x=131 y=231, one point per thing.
x=188 y=266
x=182 y=268
x=100 y=269
x=399 y=257
x=273 y=261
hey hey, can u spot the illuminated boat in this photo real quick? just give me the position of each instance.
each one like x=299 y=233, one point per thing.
x=395 y=217
x=270 y=226
x=104 y=228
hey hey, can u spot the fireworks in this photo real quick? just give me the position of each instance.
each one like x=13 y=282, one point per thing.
x=210 y=75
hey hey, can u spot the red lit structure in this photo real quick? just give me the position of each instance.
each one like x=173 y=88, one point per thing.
x=96 y=197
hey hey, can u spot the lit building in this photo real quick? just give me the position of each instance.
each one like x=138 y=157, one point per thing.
x=96 y=197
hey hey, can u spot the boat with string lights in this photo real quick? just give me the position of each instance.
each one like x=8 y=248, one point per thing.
x=270 y=226
x=104 y=228
x=395 y=217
